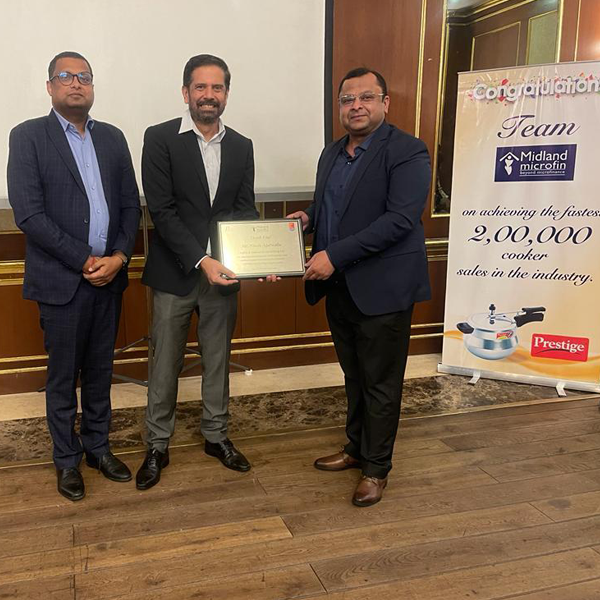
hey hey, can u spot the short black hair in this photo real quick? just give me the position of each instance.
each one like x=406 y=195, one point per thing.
x=359 y=72
x=204 y=60
x=67 y=54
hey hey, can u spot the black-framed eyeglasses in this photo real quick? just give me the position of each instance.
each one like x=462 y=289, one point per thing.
x=66 y=78
x=364 y=98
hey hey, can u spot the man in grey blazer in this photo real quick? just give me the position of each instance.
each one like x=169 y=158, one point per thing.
x=72 y=188
x=195 y=172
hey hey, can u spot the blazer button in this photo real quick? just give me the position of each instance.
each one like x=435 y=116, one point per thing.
x=86 y=221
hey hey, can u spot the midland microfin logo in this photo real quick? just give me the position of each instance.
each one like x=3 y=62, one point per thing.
x=559 y=346
x=536 y=163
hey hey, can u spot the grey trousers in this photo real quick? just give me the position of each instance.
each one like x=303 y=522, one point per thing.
x=170 y=326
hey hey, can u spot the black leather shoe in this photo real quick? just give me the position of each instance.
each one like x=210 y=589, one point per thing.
x=149 y=473
x=70 y=483
x=110 y=466
x=228 y=454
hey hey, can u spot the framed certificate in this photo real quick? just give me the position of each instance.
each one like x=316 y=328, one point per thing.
x=259 y=248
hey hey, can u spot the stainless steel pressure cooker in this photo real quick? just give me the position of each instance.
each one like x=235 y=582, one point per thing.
x=493 y=335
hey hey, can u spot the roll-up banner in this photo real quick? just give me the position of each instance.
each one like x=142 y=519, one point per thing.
x=523 y=289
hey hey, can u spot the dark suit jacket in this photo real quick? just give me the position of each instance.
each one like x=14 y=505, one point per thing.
x=50 y=205
x=176 y=190
x=381 y=247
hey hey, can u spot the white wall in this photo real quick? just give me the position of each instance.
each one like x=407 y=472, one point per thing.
x=138 y=48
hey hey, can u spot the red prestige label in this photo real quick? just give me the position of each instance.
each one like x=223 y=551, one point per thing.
x=559 y=346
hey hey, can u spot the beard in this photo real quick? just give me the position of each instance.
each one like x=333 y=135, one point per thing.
x=205 y=117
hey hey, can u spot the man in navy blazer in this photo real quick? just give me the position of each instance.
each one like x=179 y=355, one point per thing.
x=72 y=188
x=369 y=260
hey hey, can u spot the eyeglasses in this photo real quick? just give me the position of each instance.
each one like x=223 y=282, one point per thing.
x=66 y=78
x=364 y=98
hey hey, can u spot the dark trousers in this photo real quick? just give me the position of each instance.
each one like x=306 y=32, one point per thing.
x=79 y=338
x=372 y=351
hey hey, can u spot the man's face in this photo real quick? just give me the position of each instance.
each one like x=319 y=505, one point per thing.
x=363 y=117
x=75 y=96
x=206 y=96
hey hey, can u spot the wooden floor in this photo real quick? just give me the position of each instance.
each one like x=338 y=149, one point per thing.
x=497 y=504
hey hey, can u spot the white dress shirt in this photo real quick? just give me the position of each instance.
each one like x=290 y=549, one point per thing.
x=211 y=157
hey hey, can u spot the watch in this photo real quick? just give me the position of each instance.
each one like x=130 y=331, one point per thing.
x=120 y=254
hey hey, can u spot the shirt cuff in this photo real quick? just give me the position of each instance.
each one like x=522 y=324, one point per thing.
x=198 y=263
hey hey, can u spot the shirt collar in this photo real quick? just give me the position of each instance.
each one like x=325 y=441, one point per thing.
x=187 y=124
x=89 y=124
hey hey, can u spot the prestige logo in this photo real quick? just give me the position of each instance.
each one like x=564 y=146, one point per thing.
x=560 y=346
x=536 y=163
x=504 y=335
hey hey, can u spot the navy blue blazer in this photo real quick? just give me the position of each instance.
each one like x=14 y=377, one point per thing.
x=177 y=194
x=51 y=207
x=381 y=246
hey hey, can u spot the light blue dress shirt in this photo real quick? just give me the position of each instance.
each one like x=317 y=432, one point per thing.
x=84 y=154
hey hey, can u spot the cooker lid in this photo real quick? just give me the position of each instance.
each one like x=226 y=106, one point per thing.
x=489 y=322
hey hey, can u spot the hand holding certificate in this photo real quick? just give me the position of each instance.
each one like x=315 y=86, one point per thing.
x=254 y=249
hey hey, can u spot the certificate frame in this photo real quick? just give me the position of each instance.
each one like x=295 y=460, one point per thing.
x=246 y=245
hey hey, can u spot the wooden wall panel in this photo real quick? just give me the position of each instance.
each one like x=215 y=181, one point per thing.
x=20 y=333
x=308 y=318
x=134 y=315
x=458 y=59
x=430 y=101
x=588 y=41
x=12 y=246
x=385 y=36
x=268 y=308
x=570 y=23
x=498 y=48
x=432 y=311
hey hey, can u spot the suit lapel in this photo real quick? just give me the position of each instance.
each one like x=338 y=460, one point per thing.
x=101 y=147
x=228 y=162
x=191 y=144
x=374 y=147
x=328 y=162
x=59 y=139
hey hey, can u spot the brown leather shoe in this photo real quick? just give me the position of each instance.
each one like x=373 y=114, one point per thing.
x=340 y=461
x=368 y=491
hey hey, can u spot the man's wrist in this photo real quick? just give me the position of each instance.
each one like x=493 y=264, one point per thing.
x=121 y=255
x=199 y=263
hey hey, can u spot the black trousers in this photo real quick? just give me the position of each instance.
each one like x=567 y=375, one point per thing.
x=372 y=351
x=79 y=338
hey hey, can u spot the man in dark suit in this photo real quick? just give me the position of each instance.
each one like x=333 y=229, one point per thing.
x=369 y=261
x=72 y=188
x=195 y=172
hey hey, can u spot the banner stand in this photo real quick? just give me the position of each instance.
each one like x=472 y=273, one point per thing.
x=523 y=275
x=559 y=385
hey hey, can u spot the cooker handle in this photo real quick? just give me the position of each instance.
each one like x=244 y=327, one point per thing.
x=529 y=318
x=534 y=309
x=465 y=328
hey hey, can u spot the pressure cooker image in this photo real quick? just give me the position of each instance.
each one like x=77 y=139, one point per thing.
x=493 y=335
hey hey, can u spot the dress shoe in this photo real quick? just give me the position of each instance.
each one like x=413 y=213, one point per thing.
x=368 y=491
x=228 y=454
x=110 y=466
x=70 y=483
x=340 y=461
x=149 y=473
